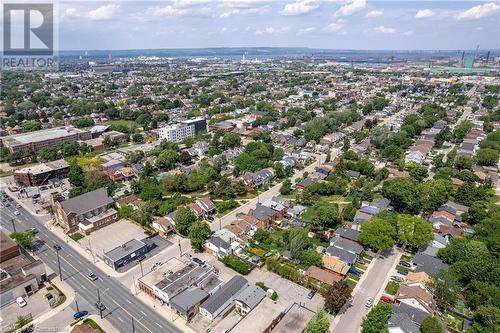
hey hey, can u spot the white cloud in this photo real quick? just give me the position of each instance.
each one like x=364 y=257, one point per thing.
x=272 y=31
x=352 y=7
x=408 y=33
x=374 y=13
x=478 y=12
x=385 y=30
x=424 y=13
x=237 y=11
x=333 y=27
x=306 y=30
x=103 y=12
x=299 y=7
x=165 y=11
x=241 y=3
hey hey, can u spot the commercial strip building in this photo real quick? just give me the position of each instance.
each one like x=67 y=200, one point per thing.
x=47 y=138
x=20 y=274
x=39 y=174
x=121 y=255
x=84 y=213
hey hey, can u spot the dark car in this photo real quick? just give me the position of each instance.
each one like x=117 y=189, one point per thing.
x=80 y=314
x=100 y=306
x=396 y=278
x=402 y=272
x=311 y=294
x=405 y=264
x=91 y=276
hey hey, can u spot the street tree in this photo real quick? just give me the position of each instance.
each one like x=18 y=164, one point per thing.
x=184 y=218
x=430 y=325
x=318 y=323
x=199 y=232
x=338 y=294
x=376 y=320
x=377 y=234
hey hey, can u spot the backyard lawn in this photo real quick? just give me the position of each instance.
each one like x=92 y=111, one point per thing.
x=392 y=288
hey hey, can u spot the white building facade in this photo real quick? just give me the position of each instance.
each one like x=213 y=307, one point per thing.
x=176 y=133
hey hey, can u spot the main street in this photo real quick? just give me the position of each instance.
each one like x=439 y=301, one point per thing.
x=350 y=321
x=122 y=307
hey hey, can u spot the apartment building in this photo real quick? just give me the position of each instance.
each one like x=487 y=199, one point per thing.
x=50 y=137
x=39 y=174
x=176 y=133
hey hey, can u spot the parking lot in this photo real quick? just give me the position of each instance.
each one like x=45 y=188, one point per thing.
x=111 y=236
x=288 y=292
x=36 y=305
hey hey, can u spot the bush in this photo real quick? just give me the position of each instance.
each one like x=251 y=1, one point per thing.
x=240 y=266
x=76 y=236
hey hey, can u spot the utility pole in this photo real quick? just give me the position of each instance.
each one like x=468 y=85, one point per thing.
x=99 y=302
x=13 y=225
x=76 y=303
x=180 y=248
x=58 y=248
x=142 y=272
x=133 y=327
x=220 y=224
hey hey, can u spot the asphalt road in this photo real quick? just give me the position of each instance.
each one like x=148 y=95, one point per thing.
x=121 y=304
x=350 y=321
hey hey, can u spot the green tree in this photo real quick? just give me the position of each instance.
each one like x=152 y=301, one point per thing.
x=446 y=289
x=418 y=172
x=286 y=187
x=463 y=249
x=377 y=234
x=298 y=242
x=434 y=193
x=414 y=231
x=376 y=320
x=126 y=211
x=76 y=176
x=431 y=325
x=199 y=232
x=324 y=215
x=318 y=323
x=23 y=239
x=337 y=296
x=403 y=193
x=487 y=156
x=184 y=218
x=311 y=258
x=167 y=159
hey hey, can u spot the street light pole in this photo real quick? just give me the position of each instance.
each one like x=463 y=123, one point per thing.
x=99 y=302
x=133 y=327
x=76 y=303
x=180 y=248
x=142 y=271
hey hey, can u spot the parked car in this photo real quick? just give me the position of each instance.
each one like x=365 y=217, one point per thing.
x=91 y=276
x=369 y=302
x=18 y=206
x=387 y=299
x=354 y=271
x=311 y=294
x=402 y=272
x=397 y=278
x=80 y=314
x=405 y=264
x=16 y=212
x=21 y=302
x=360 y=261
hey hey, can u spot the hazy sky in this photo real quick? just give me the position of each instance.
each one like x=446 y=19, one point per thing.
x=334 y=24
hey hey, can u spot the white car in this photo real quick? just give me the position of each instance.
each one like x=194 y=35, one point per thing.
x=17 y=212
x=369 y=302
x=21 y=302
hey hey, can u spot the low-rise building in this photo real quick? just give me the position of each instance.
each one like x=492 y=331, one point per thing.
x=121 y=255
x=20 y=273
x=223 y=297
x=86 y=212
x=39 y=174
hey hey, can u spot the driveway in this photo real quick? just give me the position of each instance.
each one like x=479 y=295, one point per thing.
x=375 y=281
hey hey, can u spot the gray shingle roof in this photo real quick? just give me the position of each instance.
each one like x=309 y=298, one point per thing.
x=403 y=321
x=251 y=296
x=428 y=264
x=341 y=254
x=348 y=233
x=347 y=245
x=87 y=202
x=226 y=293
x=415 y=314
x=188 y=298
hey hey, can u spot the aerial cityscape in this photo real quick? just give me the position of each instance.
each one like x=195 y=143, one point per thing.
x=250 y=166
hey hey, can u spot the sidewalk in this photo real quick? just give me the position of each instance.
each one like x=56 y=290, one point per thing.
x=103 y=323
x=162 y=310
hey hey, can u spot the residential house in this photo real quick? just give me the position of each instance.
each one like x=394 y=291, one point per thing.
x=336 y=265
x=259 y=178
x=218 y=247
x=416 y=296
x=323 y=276
x=265 y=214
x=402 y=323
x=347 y=233
x=163 y=225
x=428 y=264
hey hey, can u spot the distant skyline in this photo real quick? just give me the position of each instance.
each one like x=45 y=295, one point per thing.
x=329 y=24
